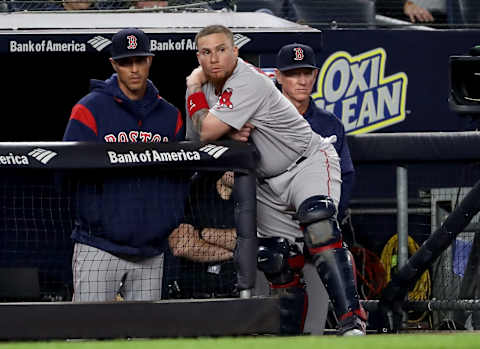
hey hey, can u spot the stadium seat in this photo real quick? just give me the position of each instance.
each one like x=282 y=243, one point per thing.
x=464 y=11
x=280 y=8
x=321 y=13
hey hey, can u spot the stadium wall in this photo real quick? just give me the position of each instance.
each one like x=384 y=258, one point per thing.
x=388 y=80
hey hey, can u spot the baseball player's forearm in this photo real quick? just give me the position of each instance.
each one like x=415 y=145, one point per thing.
x=197 y=105
x=185 y=242
x=197 y=120
x=208 y=126
x=205 y=252
x=200 y=251
x=225 y=238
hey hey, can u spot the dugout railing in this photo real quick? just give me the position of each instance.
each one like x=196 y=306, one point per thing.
x=31 y=212
x=388 y=154
x=444 y=159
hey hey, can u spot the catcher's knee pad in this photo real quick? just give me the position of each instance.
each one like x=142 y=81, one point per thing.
x=281 y=262
x=317 y=217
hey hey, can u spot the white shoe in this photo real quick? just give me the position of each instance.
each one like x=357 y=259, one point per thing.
x=353 y=332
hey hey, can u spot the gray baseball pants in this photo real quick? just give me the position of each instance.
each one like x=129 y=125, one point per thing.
x=97 y=276
x=278 y=198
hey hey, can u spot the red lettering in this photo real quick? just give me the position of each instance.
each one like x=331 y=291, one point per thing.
x=110 y=138
x=133 y=135
x=156 y=138
x=122 y=137
x=145 y=136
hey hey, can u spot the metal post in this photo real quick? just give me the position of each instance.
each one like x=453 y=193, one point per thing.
x=245 y=255
x=402 y=215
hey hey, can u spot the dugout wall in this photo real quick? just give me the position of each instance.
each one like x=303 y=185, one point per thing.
x=392 y=76
x=52 y=56
x=42 y=184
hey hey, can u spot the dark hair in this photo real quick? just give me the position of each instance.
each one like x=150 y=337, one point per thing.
x=214 y=29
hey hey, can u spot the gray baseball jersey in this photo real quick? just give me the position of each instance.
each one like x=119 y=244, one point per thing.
x=281 y=134
x=282 y=137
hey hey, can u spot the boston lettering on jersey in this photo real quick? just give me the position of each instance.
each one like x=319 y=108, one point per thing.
x=135 y=136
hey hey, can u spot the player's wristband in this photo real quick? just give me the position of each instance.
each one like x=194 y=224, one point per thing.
x=195 y=102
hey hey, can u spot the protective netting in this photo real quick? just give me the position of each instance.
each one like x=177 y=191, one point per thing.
x=137 y=229
x=434 y=191
x=39 y=211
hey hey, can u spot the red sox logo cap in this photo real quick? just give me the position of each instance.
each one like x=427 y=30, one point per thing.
x=130 y=42
x=299 y=55
x=294 y=56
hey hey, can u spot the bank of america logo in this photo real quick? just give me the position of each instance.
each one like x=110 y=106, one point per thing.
x=99 y=42
x=42 y=155
x=239 y=40
x=214 y=150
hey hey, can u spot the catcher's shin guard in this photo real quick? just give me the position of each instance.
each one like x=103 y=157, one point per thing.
x=282 y=265
x=332 y=260
x=335 y=268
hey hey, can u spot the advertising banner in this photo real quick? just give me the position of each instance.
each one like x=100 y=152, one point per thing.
x=390 y=80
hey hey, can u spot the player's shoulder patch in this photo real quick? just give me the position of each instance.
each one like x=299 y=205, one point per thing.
x=224 y=100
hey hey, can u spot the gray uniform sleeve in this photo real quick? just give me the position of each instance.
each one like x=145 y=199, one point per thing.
x=242 y=96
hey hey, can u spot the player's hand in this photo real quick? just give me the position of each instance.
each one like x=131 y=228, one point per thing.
x=417 y=13
x=196 y=79
x=243 y=134
x=228 y=179
x=181 y=237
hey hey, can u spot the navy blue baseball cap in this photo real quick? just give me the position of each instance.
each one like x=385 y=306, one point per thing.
x=130 y=42
x=294 y=56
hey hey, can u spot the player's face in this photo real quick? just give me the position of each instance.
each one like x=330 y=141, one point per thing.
x=297 y=84
x=217 y=56
x=132 y=75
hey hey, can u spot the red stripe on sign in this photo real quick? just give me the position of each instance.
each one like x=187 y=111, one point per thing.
x=83 y=115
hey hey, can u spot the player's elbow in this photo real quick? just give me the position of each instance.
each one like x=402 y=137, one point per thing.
x=207 y=136
x=213 y=129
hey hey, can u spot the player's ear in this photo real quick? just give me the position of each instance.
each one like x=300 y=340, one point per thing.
x=278 y=76
x=114 y=66
x=315 y=73
x=235 y=51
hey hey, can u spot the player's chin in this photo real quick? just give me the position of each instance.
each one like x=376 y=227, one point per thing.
x=135 y=85
x=217 y=75
x=301 y=95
